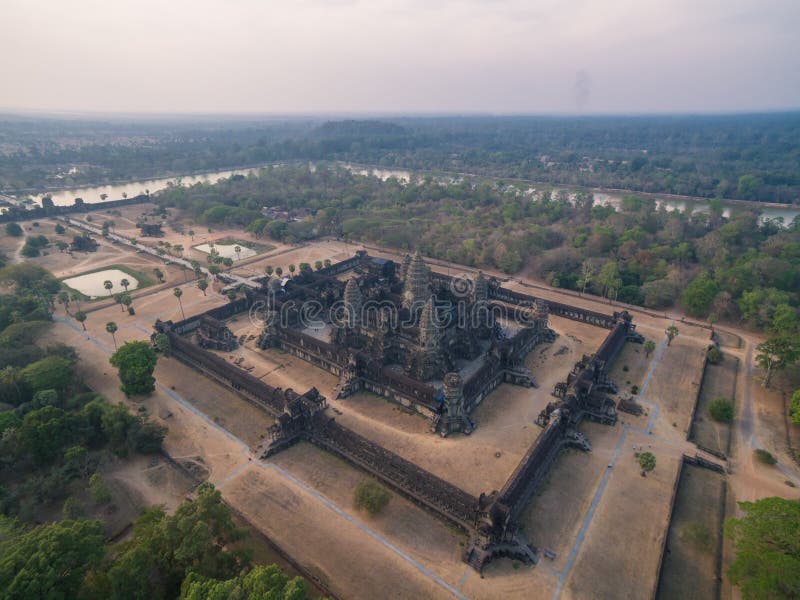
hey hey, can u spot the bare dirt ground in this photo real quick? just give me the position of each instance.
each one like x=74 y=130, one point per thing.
x=693 y=542
x=621 y=553
x=480 y=462
x=719 y=382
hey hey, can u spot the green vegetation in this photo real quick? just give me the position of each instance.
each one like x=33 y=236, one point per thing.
x=14 y=230
x=34 y=245
x=767 y=542
x=647 y=461
x=750 y=157
x=371 y=496
x=714 y=355
x=135 y=362
x=727 y=269
x=55 y=435
x=180 y=556
x=721 y=409
x=794 y=408
x=764 y=457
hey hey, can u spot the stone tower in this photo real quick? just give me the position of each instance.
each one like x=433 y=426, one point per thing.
x=352 y=303
x=481 y=289
x=454 y=414
x=416 y=290
x=404 y=267
x=428 y=328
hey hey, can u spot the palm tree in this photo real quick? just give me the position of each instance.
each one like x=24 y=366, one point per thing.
x=80 y=317
x=111 y=328
x=178 y=293
x=159 y=274
x=108 y=285
x=125 y=283
x=279 y=271
x=118 y=300
x=237 y=250
x=191 y=234
x=268 y=270
x=292 y=269
x=202 y=285
x=672 y=333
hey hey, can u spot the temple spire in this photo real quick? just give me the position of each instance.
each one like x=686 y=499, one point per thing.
x=352 y=303
x=416 y=290
x=428 y=327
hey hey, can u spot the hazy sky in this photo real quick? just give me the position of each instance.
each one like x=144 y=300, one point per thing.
x=300 y=56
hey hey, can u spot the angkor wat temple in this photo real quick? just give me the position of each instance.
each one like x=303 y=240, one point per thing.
x=446 y=346
x=433 y=343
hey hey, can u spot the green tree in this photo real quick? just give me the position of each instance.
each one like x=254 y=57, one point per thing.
x=672 y=332
x=99 y=489
x=80 y=317
x=49 y=373
x=775 y=354
x=111 y=328
x=49 y=561
x=178 y=292
x=721 y=409
x=371 y=496
x=135 y=362
x=608 y=278
x=162 y=343
x=699 y=294
x=45 y=431
x=202 y=285
x=767 y=543
x=125 y=283
x=163 y=549
x=159 y=274
x=649 y=346
x=647 y=461
x=77 y=458
x=109 y=286
x=794 y=408
x=14 y=230
x=260 y=582
x=268 y=270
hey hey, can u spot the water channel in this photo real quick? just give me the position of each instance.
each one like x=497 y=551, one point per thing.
x=94 y=194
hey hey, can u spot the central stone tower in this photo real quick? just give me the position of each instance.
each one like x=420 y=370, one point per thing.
x=416 y=290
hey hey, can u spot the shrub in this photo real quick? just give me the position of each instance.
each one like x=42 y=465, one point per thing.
x=721 y=409
x=99 y=489
x=765 y=457
x=371 y=496
x=794 y=408
x=714 y=355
